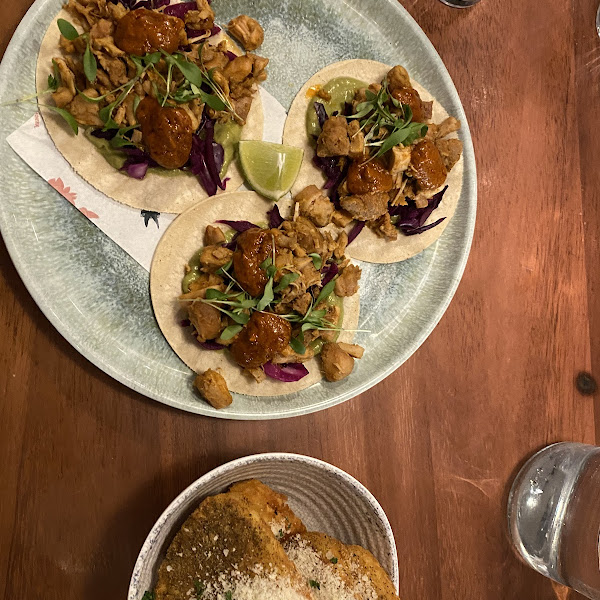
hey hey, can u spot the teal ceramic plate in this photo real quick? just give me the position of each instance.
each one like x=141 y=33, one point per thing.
x=97 y=296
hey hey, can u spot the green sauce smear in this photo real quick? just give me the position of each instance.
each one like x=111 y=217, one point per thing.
x=341 y=90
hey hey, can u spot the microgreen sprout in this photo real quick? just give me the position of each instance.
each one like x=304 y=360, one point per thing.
x=385 y=129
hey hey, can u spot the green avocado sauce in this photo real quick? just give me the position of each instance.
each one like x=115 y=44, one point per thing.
x=341 y=90
x=114 y=158
x=331 y=300
x=227 y=134
x=193 y=273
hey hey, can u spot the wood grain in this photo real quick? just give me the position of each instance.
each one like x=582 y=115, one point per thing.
x=88 y=465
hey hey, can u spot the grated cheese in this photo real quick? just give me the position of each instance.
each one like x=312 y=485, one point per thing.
x=330 y=586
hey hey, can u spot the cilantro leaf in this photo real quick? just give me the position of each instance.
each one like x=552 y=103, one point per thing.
x=67 y=30
x=267 y=297
x=230 y=332
x=325 y=291
x=297 y=344
x=90 y=66
x=285 y=281
x=67 y=116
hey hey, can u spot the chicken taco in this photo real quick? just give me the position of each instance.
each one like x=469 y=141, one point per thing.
x=148 y=104
x=262 y=305
x=385 y=154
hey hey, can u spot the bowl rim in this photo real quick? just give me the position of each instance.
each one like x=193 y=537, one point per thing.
x=265 y=457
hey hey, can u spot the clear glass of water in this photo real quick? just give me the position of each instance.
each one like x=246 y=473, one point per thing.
x=460 y=3
x=554 y=515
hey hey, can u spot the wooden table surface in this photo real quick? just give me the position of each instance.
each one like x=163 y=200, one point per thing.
x=88 y=465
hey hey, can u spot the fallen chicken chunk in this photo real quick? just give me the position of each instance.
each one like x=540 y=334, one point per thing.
x=337 y=363
x=247 y=31
x=347 y=283
x=314 y=205
x=213 y=388
x=353 y=350
x=334 y=140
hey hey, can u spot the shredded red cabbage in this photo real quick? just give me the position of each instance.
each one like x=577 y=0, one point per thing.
x=137 y=170
x=358 y=227
x=321 y=113
x=180 y=10
x=230 y=55
x=206 y=158
x=137 y=162
x=332 y=169
x=329 y=271
x=411 y=219
x=185 y=322
x=109 y=134
x=275 y=218
x=239 y=226
x=211 y=346
x=286 y=373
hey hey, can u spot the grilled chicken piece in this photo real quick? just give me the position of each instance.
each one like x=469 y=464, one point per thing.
x=337 y=363
x=247 y=31
x=213 y=388
x=366 y=207
x=347 y=283
x=314 y=205
x=334 y=140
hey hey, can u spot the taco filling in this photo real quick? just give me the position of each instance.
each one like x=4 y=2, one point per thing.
x=384 y=161
x=156 y=86
x=272 y=297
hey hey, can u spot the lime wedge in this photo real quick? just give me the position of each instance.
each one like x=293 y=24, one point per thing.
x=270 y=169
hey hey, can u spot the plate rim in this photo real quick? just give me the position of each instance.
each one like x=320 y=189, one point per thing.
x=95 y=357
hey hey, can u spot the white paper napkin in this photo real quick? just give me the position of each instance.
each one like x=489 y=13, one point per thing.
x=137 y=232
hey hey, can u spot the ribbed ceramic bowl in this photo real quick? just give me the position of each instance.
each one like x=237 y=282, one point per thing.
x=326 y=498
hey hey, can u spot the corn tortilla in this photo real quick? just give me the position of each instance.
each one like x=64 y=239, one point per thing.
x=172 y=193
x=368 y=246
x=177 y=246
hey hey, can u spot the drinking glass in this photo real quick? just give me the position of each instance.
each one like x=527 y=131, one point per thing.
x=554 y=515
x=460 y=3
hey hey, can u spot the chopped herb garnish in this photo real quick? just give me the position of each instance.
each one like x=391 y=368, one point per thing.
x=314 y=584
x=199 y=588
x=297 y=344
x=386 y=130
x=286 y=280
x=67 y=30
x=317 y=260
x=148 y=595
x=268 y=295
x=228 y=596
x=333 y=560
